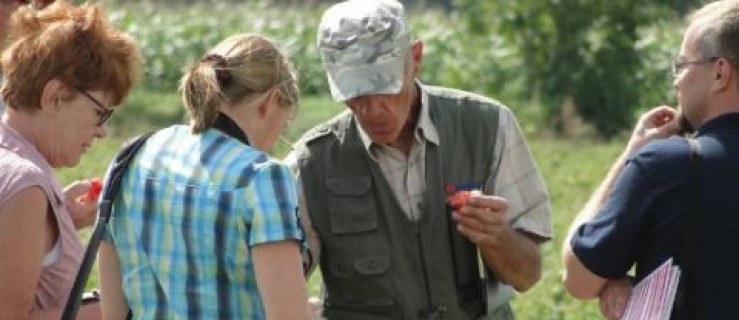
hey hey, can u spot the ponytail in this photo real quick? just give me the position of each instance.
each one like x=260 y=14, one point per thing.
x=202 y=92
x=239 y=69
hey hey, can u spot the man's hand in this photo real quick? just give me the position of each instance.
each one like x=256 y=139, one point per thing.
x=511 y=255
x=660 y=122
x=482 y=218
x=614 y=297
x=81 y=202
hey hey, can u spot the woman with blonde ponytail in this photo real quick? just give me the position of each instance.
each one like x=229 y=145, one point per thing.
x=204 y=226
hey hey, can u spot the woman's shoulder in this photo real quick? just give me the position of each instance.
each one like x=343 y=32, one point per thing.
x=18 y=173
x=16 y=167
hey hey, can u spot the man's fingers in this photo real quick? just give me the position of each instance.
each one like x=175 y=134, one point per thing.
x=474 y=216
x=470 y=224
x=614 y=297
x=479 y=232
x=494 y=203
x=476 y=236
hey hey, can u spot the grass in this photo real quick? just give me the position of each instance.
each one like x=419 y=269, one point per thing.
x=571 y=169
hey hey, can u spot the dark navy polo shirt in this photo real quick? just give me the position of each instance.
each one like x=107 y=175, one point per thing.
x=714 y=287
x=641 y=224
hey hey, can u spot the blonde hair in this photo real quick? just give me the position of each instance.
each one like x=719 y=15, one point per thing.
x=74 y=45
x=240 y=67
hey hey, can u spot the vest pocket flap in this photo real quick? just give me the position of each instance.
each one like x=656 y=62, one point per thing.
x=354 y=186
x=366 y=266
x=341 y=269
x=372 y=265
x=351 y=206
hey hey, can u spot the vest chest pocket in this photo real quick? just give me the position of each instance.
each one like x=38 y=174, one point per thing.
x=351 y=205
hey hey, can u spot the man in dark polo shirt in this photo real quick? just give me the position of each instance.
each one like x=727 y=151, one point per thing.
x=637 y=217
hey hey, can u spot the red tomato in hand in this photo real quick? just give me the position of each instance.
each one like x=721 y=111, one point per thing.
x=96 y=186
x=458 y=199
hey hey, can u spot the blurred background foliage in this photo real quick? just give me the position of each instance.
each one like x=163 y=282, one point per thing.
x=564 y=66
x=606 y=58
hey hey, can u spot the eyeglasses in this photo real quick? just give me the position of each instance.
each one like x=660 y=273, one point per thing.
x=679 y=66
x=103 y=112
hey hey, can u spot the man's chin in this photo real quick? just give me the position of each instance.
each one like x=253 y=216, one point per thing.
x=382 y=138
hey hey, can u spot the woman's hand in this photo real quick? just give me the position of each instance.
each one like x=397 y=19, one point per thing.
x=81 y=201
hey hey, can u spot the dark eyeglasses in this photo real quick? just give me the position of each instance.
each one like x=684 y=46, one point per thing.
x=103 y=112
x=679 y=66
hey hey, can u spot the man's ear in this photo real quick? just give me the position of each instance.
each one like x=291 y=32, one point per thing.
x=725 y=75
x=416 y=56
x=51 y=95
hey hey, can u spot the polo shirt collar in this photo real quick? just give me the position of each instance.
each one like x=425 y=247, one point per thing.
x=726 y=121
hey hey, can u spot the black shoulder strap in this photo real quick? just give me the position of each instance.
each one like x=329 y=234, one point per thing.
x=110 y=189
x=691 y=220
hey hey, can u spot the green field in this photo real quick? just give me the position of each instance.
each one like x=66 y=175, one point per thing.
x=571 y=169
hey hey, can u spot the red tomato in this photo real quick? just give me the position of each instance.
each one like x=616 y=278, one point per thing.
x=458 y=199
x=96 y=186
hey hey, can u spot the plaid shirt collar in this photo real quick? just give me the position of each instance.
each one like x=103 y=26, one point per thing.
x=229 y=127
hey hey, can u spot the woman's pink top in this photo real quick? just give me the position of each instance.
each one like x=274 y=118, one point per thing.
x=21 y=167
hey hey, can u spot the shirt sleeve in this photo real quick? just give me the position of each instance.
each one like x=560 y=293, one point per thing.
x=514 y=177
x=273 y=201
x=312 y=245
x=607 y=244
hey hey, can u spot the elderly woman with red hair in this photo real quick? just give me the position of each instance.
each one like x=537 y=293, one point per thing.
x=65 y=69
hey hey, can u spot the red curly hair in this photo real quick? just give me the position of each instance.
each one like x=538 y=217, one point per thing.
x=74 y=45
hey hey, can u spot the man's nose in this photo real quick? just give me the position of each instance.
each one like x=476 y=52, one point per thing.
x=373 y=108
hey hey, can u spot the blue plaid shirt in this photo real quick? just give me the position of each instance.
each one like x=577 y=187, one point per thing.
x=189 y=209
